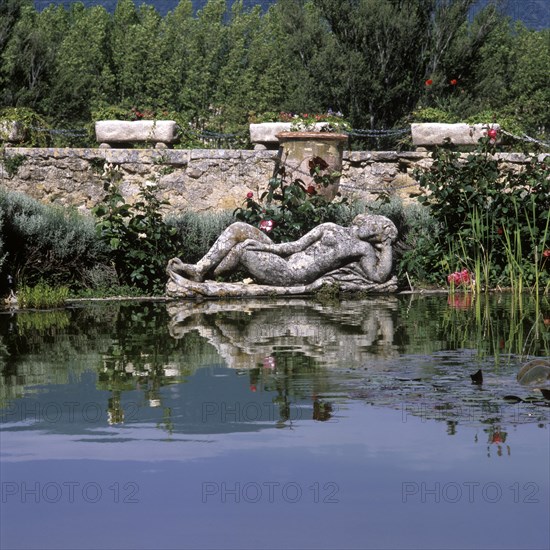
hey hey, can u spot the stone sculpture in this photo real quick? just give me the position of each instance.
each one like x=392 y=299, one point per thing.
x=356 y=258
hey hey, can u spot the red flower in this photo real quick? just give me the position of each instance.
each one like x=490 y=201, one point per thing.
x=311 y=190
x=249 y=195
x=500 y=231
x=546 y=253
x=454 y=82
x=318 y=162
x=459 y=277
x=492 y=133
x=252 y=387
x=429 y=82
x=267 y=225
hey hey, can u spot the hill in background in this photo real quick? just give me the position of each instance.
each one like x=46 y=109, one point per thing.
x=534 y=13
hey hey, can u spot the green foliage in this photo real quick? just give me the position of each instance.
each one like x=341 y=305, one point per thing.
x=197 y=231
x=417 y=252
x=211 y=70
x=51 y=244
x=12 y=163
x=139 y=240
x=496 y=220
x=42 y=296
x=33 y=125
x=434 y=114
x=288 y=210
x=2 y=253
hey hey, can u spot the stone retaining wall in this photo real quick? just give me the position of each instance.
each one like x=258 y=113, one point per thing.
x=198 y=179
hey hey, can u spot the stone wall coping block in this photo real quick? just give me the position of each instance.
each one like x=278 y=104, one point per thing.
x=413 y=155
x=431 y=134
x=182 y=156
x=124 y=131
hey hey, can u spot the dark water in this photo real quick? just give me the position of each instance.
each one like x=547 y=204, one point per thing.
x=275 y=425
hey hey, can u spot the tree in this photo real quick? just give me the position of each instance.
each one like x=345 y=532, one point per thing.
x=82 y=73
x=173 y=47
x=29 y=57
x=206 y=57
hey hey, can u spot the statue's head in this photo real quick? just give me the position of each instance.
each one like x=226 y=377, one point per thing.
x=371 y=227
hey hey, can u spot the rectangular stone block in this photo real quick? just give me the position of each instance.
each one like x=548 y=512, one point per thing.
x=430 y=134
x=12 y=131
x=266 y=132
x=126 y=131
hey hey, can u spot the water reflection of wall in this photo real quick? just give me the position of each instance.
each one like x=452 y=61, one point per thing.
x=244 y=334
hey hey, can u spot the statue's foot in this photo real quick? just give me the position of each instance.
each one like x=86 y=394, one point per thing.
x=189 y=271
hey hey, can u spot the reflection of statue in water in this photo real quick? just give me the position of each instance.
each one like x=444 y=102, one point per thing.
x=245 y=335
x=358 y=257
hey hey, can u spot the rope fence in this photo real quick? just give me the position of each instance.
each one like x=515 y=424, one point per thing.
x=237 y=139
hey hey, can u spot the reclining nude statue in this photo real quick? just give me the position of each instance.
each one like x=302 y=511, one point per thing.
x=358 y=257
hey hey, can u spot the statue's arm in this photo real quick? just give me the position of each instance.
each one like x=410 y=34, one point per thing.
x=377 y=262
x=286 y=249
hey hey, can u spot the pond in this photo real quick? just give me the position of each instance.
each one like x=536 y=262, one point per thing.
x=275 y=424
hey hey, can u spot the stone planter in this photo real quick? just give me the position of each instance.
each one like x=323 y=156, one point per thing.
x=264 y=134
x=12 y=131
x=296 y=149
x=160 y=132
x=432 y=134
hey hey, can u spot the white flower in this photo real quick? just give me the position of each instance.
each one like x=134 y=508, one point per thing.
x=150 y=184
x=142 y=235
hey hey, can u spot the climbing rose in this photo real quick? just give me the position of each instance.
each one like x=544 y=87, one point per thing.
x=249 y=195
x=454 y=82
x=429 y=82
x=266 y=225
x=492 y=133
x=546 y=253
x=311 y=190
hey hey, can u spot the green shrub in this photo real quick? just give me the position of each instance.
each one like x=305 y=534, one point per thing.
x=46 y=243
x=197 y=232
x=416 y=251
x=12 y=163
x=287 y=210
x=495 y=222
x=3 y=254
x=140 y=242
x=35 y=126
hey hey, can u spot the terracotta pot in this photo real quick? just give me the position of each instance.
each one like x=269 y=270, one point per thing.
x=296 y=149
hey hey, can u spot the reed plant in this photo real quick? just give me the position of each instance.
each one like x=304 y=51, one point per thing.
x=496 y=221
x=42 y=296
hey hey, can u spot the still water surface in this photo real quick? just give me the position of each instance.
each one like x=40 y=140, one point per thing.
x=275 y=424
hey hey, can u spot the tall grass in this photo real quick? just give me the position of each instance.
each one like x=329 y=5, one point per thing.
x=42 y=296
